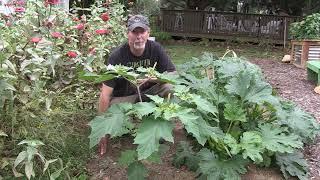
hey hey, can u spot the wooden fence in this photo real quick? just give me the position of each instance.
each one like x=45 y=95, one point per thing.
x=226 y=25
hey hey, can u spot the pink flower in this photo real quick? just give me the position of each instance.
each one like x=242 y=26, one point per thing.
x=21 y=2
x=52 y=2
x=19 y=9
x=56 y=35
x=75 y=19
x=72 y=54
x=105 y=17
x=102 y=31
x=35 y=39
x=80 y=26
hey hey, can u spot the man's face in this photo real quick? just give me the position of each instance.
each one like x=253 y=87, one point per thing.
x=137 y=38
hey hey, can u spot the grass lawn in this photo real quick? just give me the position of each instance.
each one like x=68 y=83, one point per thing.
x=182 y=51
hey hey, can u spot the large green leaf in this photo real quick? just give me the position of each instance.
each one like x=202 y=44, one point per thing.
x=299 y=122
x=204 y=105
x=137 y=171
x=196 y=83
x=275 y=139
x=206 y=130
x=155 y=157
x=230 y=67
x=198 y=127
x=5 y=86
x=232 y=143
x=144 y=108
x=170 y=78
x=234 y=112
x=251 y=144
x=294 y=164
x=156 y=99
x=186 y=156
x=114 y=122
x=149 y=134
x=216 y=168
x=250 y=88
x=191 y=124
x=127 y=157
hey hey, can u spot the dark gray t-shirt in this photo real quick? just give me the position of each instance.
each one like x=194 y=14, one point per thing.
x=153 y=53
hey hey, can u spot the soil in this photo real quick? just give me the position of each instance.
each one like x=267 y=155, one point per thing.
x=290 y=83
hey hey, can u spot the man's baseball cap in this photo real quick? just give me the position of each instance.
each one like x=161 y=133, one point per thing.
x=138 y=21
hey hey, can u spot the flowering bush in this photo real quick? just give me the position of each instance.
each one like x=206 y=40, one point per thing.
x=42 y=48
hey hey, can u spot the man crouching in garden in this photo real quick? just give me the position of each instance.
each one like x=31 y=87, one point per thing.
x=138 y=51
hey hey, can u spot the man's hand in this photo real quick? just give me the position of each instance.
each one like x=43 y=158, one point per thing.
x=145 y=80
x=103 y=144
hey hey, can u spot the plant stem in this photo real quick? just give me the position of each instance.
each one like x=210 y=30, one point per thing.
x=138 y=89
x=229 y=128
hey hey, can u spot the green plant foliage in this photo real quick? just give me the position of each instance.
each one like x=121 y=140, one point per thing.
x=41 y=97
x=298 y=121
x=28 y=159
x=113 y=122
x=250 y=88
x=229 y=109
x=308 y=28
x=293 y=164
x=215 y=168
x=149 y=134
x=186 y=156
x=137 y=171
x=127 y=157
x=276 y=139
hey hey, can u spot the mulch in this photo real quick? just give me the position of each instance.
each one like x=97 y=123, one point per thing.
x=290 y=83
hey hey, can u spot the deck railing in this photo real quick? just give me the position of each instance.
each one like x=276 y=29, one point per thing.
x=194 y=23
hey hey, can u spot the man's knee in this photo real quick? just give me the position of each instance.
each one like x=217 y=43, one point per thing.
x=165 y=89
x=128 y=99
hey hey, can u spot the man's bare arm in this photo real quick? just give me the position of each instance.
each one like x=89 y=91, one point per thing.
x=104 y=100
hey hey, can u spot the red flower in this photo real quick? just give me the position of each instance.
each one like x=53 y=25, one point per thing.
x=56 y=34
x=105 y=17
x=80 y=26
x=72 y=54
x=102 y=31
x=19 y=9
x=75 y=19
x=35 y=39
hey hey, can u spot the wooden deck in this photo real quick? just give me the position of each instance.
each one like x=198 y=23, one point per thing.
x=226 y=25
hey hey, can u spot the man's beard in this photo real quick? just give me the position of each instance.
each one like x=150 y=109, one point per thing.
x=139 y=45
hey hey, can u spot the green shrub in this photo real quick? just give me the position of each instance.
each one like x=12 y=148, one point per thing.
x=308 y=28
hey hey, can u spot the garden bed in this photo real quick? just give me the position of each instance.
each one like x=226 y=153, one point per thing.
x=290 y=83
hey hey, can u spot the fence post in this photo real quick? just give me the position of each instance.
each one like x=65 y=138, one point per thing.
x=285 y=33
